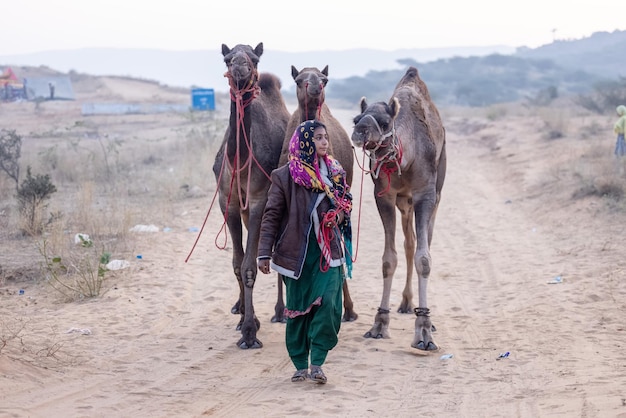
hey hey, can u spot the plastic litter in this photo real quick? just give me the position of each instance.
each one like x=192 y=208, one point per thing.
x=84 y=331
x=167 y=229
x=117 y=264
x=446 y=357
x=556 y=280
x=144 y=228
x=503 y=355
x=139 y=256
x=21 y=292
x=194 y=229
x=81 y=238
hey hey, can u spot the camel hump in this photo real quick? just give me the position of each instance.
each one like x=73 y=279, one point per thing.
x=412 y=78
x=412 y=91
x=268 y=81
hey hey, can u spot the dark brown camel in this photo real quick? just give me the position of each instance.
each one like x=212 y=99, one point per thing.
x=310 y=85
x=405 y=141
x=252 y=144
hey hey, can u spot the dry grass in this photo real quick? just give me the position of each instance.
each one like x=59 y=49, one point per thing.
x=111 y=172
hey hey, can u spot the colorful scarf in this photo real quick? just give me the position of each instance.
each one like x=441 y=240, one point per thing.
x=305 y=171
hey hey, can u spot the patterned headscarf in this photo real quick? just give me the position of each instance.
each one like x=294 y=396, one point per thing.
x=305 y=170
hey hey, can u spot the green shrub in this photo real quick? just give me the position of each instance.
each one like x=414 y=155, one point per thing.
x=31 y=198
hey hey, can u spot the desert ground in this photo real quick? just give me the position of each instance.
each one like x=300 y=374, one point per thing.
x=521 y=209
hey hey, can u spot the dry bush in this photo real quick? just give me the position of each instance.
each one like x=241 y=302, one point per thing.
x=22 y=341
x=598 y=172
x=111 y=174
x=555 y=121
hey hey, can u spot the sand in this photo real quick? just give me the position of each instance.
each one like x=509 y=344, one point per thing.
x=162 y=341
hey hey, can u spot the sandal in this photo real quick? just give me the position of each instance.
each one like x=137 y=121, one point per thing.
x=317 y=375
x=300 y=375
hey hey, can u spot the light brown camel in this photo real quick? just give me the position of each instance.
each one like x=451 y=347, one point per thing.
x=405 y=140
x=252 y=144
x=310 y=85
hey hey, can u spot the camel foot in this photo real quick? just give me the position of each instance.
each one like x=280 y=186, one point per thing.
x=431 y=346
x=236 y=308
x=349 y=316
x=279 y=319
x=244 y=345
x=377 y=336
x=406 y=307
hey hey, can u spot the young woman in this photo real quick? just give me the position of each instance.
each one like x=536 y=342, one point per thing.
x=305 y=226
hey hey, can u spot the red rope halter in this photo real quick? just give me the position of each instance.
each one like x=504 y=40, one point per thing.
x=236 y=95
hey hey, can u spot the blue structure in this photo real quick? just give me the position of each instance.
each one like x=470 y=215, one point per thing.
x=202 y=99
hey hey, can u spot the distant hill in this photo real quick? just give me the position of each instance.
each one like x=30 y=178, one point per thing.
x=538 y=75
x=206 y=68
x=602 y=54
x=469 y=76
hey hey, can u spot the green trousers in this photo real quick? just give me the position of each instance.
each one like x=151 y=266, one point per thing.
x=317 y=295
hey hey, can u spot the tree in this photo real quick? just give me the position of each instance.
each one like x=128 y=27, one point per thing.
x=10 y=152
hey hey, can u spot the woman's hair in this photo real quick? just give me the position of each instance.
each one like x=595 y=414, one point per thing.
x=318 y=124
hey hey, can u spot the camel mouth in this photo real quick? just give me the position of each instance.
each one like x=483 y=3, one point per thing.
x=240 y=75
x=370 y=145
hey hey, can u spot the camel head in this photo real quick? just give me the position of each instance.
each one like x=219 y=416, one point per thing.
x=242 y=62
x=375 y=123
x=310 y=84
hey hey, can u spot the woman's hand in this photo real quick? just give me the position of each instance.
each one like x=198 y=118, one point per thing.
x=338 y=220
x=264 y=265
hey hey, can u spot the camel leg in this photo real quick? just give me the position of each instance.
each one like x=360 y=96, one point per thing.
x=349 y=314
x=406 y=214
x=236 y=232
x=386 y=210
x=424 y=209
x=251 y=324
x=279 y=308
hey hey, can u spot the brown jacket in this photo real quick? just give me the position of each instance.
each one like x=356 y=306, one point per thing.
x=292 y=213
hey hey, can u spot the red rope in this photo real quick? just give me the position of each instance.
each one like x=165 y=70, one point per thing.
x=236 y=96
x=306 y=102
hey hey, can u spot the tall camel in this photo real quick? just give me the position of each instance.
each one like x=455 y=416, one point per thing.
x=310 y=85
x=252 y=145
x=405 y=140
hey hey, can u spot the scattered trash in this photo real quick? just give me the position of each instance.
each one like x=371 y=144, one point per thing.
x=446 y=357
x=144 y=228
x=167 y=229
x=81 y=239
x=139 y=256
x=21 y=292
x=556 y=280
x=503 y=355
x=193 y=229
x=117 y=264
x=84 y=331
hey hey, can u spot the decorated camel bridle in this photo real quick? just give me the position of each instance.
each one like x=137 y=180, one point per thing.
x=386 y=155
x=237 y=95
x=319 y=104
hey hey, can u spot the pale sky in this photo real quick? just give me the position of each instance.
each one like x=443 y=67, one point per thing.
x=290 y=25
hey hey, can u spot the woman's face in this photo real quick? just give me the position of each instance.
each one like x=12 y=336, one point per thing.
x=320 y=138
